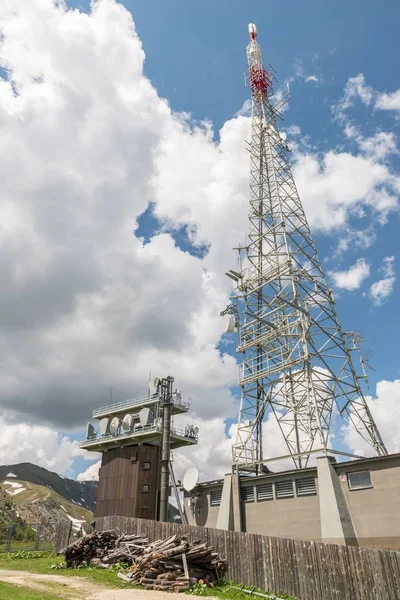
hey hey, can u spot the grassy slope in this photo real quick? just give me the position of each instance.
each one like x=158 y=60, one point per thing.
x=39 y=492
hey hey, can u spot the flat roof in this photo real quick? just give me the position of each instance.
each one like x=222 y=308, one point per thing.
x=356 y=461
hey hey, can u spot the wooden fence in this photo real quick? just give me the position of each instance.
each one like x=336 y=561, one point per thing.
x=304 y=569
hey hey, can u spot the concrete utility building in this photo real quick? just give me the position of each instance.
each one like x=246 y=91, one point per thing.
x=355 y=502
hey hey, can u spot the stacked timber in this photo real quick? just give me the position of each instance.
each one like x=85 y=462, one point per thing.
x=103 y=548
x=173 y=564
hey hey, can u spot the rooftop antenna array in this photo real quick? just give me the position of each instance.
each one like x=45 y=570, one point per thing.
x=296 y=363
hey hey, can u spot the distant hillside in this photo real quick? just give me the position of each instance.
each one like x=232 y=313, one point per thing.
x=43 y=498
x=79 y=493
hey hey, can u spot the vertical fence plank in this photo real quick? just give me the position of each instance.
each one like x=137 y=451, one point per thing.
x=304 y=569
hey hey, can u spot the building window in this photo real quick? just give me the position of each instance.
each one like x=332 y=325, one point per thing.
x=359 y=480
x=265 y=492
x=284 y=489
x=147 y=466
x=306 y=486
x=247 y=494
x=215 y=498
x=145 y=488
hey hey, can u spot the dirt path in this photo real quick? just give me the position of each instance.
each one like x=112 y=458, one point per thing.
x=81 y=588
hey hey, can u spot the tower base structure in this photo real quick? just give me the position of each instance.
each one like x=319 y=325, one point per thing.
x=129 y=482
x=135 y=438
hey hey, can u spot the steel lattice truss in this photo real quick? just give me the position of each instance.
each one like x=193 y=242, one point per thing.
x=296 y=359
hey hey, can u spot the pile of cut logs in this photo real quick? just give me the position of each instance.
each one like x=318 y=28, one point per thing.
x=171 y=565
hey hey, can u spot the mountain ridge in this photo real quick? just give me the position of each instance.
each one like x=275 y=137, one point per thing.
x=81 y=493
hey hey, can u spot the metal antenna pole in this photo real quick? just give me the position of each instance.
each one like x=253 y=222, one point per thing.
x=296 y=365
x=166 y=405
x=182 y=513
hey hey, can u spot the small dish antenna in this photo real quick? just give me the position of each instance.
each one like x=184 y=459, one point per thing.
x=145 y=416
x=114 y=425
x=157 y=382
x=104 y=426
x=228 y=323
x=190 y=479
x=127 y=422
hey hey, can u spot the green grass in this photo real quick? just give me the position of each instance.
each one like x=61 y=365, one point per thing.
x=8 y=591
x=227 y=592
x=49 y=563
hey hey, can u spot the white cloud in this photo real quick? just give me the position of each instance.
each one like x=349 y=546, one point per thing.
x=39 y=444
x=356 y=88
x=91 y=473
x=334 y=185
x=353 y=278
x=386 y=101
x=379 y=146
x=381 y=290
x=293 y=130
x=311 y=78
x=245 y=109
x=385 y=409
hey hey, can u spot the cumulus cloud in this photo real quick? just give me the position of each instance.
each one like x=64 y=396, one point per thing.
x=91 y=473
x=385 y=409
x=85 y=302
x=386 y=101
x=335 y=185
x=381 y=290
x=38 y=444
x=87 y=143
x=352 y=278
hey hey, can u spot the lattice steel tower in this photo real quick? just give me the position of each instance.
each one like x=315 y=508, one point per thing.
x=297 y=362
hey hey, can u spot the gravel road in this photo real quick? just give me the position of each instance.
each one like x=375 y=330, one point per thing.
x=80 y=588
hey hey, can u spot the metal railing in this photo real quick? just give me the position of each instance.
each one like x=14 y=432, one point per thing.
x=138 y=432
x=136 y=401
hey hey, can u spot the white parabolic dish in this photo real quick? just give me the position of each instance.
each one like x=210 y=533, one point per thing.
x=114 y=425
x=228 y=323
x=190 y=479
x=127 y=422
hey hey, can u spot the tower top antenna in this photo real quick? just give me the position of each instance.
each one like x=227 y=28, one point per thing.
x=252 y=32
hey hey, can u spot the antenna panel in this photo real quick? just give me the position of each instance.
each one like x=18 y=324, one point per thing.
x=104 y=426
x=90 y=431
x=146 y=417
x=228 y=323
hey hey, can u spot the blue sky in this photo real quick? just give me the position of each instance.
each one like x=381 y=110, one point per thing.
x=195 y=58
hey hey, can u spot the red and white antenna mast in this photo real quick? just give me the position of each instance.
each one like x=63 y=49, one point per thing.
x=296 y=362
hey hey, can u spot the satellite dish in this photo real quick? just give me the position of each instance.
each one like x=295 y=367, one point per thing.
x=127 y=422
x=104 y=426
x=145 y=416
x=114 y=425
x=190 y=479
x=90 y=431
x=196 y=430
x=157 y=382
x=228 y=323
